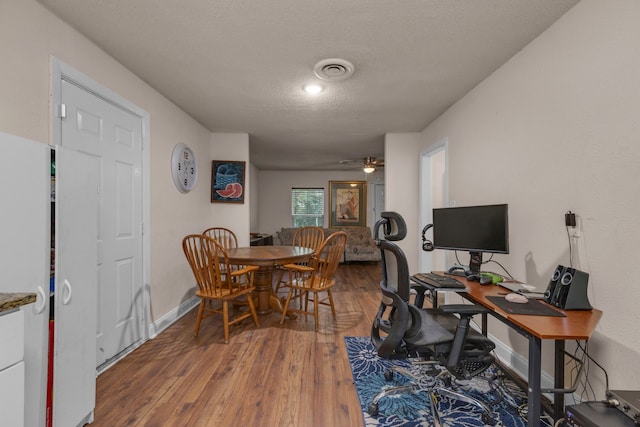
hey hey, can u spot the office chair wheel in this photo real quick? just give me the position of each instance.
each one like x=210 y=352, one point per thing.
x=372 y=409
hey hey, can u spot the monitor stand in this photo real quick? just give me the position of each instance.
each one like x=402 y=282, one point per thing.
x=473 y=269
x=475 y=262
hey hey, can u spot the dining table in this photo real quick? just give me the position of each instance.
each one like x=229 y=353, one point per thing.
x=267 y=258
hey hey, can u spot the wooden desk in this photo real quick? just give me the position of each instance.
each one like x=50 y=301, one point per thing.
x=267 y=257
x=577 y=325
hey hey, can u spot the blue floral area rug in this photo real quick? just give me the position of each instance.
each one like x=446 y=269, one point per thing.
x=507 y=401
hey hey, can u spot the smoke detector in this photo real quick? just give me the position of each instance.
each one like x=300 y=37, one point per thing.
x=333 y=69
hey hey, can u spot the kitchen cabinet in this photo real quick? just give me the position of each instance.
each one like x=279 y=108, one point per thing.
x=25 y=249
x=12 y=368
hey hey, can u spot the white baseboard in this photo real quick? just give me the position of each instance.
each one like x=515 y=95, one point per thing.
x=514 y=361
x=172 y=316
x=154 y=329
x=518 y=364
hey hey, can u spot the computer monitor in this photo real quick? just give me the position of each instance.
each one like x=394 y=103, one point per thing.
x=475 y=229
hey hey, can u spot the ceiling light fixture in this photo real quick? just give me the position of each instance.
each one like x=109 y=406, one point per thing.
x=369 y=169
x=313 y=89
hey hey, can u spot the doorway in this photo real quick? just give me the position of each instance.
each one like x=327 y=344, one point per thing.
x=91 y=119
x=434 y=193
x=378 y=202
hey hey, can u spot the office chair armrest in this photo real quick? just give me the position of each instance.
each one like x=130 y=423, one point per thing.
x=466 y=312
x=463 y=309
x=387 y=347
x=421 y=293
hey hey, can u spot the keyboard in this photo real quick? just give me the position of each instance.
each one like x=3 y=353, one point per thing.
x=437 y=281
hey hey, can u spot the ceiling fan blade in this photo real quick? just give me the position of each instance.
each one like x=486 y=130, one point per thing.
x=366 y=161
x=350 y=163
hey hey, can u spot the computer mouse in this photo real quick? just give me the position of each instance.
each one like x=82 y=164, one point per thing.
x=473 y=277
x=517 y=298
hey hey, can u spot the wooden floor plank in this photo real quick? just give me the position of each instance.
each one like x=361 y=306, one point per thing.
x=268 y=376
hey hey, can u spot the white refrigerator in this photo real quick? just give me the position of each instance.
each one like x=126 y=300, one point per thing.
x=27 y=191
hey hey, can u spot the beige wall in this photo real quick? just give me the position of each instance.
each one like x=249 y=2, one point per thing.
x=254 y=217
x=274 y=188
x=557 y=128
x=401 y=187
x=235 y=216
x=30 y=36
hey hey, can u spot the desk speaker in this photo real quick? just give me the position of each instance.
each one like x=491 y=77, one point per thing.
x=568 y=289
x=553 y=283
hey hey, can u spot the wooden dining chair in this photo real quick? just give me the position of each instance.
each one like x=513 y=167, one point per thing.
x=306 y=284
x=226 y=238
x=306 y=237
x=208 y=260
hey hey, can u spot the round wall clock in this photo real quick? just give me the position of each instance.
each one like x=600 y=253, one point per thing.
x=184 y=168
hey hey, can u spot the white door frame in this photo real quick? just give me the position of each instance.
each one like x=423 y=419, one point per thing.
x=61 y=71
x=430 y=189
x=378 y=202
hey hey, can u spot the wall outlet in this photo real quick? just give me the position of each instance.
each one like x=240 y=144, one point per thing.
x=570 y=219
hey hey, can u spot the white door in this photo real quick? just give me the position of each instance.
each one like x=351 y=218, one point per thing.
x=113 y=136
x=74 y=370
x=434 y=194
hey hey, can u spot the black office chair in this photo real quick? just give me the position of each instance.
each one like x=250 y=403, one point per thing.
x=442 y=336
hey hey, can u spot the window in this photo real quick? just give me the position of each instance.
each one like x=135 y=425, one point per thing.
x=307 y=206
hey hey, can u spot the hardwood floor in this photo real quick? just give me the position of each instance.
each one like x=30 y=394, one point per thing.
x=270 y=376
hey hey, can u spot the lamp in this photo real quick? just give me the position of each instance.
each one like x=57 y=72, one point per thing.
x=369 y=168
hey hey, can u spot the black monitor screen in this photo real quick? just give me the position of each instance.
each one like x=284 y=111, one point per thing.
x=472 y=228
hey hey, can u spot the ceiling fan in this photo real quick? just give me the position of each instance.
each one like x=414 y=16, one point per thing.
x=368 y=164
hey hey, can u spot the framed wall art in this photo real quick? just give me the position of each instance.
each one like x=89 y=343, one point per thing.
x=347 y=203
x=227 y=181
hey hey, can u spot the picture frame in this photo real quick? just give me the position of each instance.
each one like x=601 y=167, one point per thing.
x=227 y=181
x=347 y=203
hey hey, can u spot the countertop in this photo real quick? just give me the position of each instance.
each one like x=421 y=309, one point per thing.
x=9 y=301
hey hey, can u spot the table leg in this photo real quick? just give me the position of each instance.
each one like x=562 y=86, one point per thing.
x=267 y=301
x=262 y=281
x=533 y=391
x=558 y=398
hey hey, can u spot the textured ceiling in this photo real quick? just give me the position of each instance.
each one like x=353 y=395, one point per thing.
x=239 y=65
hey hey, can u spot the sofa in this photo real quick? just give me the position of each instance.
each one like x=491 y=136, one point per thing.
x=360 y=245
